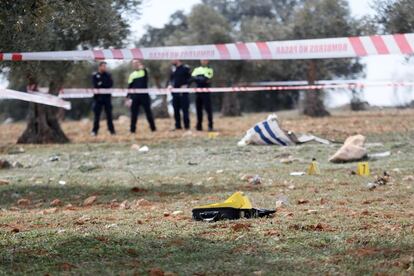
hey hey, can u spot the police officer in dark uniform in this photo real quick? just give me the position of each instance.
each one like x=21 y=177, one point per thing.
x=139 y=79
x=202 y=76
x=102 y=80
x=180 y=77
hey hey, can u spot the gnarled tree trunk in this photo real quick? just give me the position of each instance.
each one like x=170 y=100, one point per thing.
x=43 y=125
x=161 y=111
x=230 y=106
x=314 y=105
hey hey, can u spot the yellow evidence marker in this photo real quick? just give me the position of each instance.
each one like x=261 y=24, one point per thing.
x=213 y=135
x=363 y=169
x=314 y=168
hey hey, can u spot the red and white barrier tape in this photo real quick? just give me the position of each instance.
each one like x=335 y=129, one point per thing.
x=35 y=97
x=343 y=47
x=74 y=93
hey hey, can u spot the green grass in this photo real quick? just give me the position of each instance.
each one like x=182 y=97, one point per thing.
x=352 y=231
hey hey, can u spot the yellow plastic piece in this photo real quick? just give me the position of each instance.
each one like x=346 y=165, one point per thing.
x=314 y=168
x=238 y=201
x=363 y=169
x=213 y=135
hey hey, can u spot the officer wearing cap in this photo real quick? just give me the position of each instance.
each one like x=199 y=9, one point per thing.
x=139 y=79
x=102 y=80
x=202 y=76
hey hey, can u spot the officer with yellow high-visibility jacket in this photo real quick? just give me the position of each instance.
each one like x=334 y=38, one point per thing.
x=139 y=79
x=202 y=76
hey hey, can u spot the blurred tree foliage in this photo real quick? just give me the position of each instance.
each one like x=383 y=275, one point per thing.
x=396 y=16
x=50 y=25
x=221 y=21
x=85 y=25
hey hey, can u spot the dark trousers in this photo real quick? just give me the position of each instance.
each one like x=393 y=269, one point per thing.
x=144 y=101
x=102 y=102
x=203 y=100
x=181 y=102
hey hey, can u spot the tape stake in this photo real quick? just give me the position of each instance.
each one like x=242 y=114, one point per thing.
x=1 y=56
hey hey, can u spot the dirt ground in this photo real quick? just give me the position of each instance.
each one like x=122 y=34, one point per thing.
x=96 y=206
x=337 y=127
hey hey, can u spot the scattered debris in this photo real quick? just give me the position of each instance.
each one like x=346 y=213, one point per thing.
x=219 y=171
x=8 y=121
x=297 y=173
x=113 y=225
x=62 y=182
x=371 y=186
x=306 y=138
x=187 y=133
x=88 y=168
x=16 y=150
x=352 y=150
x=290 y=160
x=18 y=165
x=4 y=164
x=54 y=158
x=303 y=201
x=264 y=133
x=82 y=220
x=143 y=149
x=379 y=155
x=177 y=213
x=383 y=180
x=192 y=163
x=69 y=207
x=23 y=202
x=135 y=147
x=124 y=205
x=252 y=179
x=49 y=211
x=312 y=212
x=4 y=182
x=123 y=120
x=90 y=200
x=409 y=178
x=379 y=181
x=56 y=202
x=270 y=132
x=282 y=201
x=143 y=203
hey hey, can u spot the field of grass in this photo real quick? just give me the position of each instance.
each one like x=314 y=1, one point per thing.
x=331 y=224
